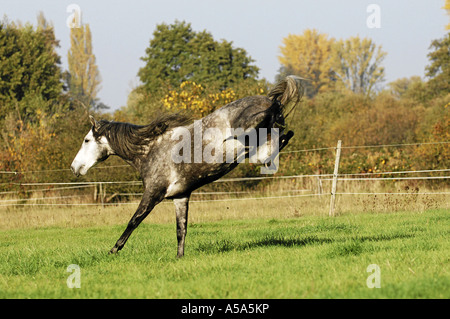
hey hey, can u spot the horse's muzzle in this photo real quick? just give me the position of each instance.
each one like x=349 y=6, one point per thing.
x=76 y=170
x=73 y=171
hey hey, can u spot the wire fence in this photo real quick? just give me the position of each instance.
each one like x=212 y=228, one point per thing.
x=223 y=195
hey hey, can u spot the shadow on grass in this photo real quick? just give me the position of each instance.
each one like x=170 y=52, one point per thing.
x=226 y=245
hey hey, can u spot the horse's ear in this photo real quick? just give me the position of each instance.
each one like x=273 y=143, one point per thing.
x=93 y=122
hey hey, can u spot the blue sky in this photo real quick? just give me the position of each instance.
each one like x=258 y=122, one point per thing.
x=121 y=30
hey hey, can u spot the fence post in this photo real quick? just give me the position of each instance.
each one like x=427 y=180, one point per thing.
x=319 y=186
x=95 y=192
x=101 y=194
x=335 y=176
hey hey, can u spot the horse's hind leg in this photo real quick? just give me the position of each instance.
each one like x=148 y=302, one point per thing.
x=145 y=207
x=181 y=209
x=284 y=139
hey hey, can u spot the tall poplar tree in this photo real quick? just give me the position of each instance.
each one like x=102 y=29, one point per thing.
x=84 y=77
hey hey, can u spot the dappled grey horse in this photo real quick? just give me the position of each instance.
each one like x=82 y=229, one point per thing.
x=175 y=156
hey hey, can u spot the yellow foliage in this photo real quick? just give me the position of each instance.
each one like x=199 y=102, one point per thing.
x=447 y=8
x=27 y=144
x=309 y=55
x=193 y=97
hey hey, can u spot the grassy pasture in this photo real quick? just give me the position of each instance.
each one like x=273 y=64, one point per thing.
x=279 y=248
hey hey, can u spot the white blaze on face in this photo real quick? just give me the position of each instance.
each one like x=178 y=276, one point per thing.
x=90 y=153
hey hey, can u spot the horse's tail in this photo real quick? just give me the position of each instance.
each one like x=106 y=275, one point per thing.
x=288 y=90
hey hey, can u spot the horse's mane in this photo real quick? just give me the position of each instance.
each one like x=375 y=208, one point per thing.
x=129 y=139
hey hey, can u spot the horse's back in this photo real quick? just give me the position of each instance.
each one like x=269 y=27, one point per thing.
x=233 y=114
x=257 y=103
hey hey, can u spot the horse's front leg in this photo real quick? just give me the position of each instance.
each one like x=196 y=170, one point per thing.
x=181 y=209
x=149 y=200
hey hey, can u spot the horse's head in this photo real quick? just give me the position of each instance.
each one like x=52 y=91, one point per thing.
x=94 y=149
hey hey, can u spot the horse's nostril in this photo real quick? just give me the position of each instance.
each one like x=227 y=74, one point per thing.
x=74 y=171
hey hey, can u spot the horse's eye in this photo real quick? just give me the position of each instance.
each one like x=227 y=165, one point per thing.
x=86 y=141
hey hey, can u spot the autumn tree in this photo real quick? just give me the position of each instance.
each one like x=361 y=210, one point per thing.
x=29 y=69
x=438 y=71
x=309 y=55
x=177 y=54
x=31 y=92
x=84 y=77
x=447 y=8
x=413 y=87
x=357 y=64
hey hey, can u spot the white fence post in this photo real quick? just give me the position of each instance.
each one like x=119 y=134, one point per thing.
x=319 y=186
x=101 y=194
x=335 y=176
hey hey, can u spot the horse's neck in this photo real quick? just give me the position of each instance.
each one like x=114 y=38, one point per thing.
x=136 y=164
x=133 y=160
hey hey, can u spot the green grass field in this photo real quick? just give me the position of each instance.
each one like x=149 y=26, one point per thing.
x=283 y=256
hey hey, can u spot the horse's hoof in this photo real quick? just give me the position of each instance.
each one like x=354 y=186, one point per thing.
x=114 y=250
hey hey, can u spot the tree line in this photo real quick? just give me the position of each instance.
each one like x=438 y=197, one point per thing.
x=44 y=109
